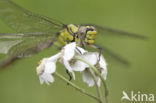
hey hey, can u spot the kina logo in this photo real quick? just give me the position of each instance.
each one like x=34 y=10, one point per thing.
x=140 y=97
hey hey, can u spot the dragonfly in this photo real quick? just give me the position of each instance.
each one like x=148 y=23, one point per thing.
x=35 y=32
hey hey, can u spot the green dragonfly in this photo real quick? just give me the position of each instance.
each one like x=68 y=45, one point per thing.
x=36 y=32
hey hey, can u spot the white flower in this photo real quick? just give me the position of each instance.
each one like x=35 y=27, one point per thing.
x=93 y=58
x=48 y=65
x=68 y=52
x=47 y=68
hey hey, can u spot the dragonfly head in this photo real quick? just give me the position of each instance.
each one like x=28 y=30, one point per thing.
x=88 y=34
x=82 y=35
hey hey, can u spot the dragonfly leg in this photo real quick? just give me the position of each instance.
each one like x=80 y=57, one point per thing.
x=115 y=56
x=70 y=77
x=100 y=50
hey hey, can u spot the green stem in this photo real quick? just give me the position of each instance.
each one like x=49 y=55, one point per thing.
x=76 y=87
x=98 y=73
x=97 y=87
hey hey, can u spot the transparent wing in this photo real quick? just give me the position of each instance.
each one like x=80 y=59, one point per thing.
x=109 y=31
x=30 y=26
x=116 y=56
x=22 y=47
x=25 y=21
x=5 y=46
x=31 y=46
x=8 y=41
x=10 y=36
x=108 y=53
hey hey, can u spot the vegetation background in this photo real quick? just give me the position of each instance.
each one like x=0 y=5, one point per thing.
x=20 y=84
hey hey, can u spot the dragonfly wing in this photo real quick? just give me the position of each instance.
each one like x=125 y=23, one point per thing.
x=7 y=60
x=31 y=46
x=114 y=55
x=5 y=46
x=26 y=48
x=25 y=21
x=109 y=31
x=8 y=41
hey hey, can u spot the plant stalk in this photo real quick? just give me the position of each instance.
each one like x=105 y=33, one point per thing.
x=98 y=73
x=76 y=87
x=97 y=87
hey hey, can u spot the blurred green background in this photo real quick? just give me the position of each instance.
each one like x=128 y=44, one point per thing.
x=20 y=84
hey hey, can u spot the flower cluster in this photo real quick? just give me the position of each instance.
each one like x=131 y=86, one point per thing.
x=66 y=56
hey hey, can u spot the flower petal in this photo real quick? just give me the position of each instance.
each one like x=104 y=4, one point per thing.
x=87 y=78
x=41 y=67
x=103 y=65
x=69 y=51
x=79 y=66
x=46 y=77
x=104 y=73
x=91 y=57
x=102 y=62
x=68 y=67
x=50 y=67
x=55 y=57
x=41 y=80
x=45 y=70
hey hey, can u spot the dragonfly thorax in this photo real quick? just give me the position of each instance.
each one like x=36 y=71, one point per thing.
x=82 y=35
